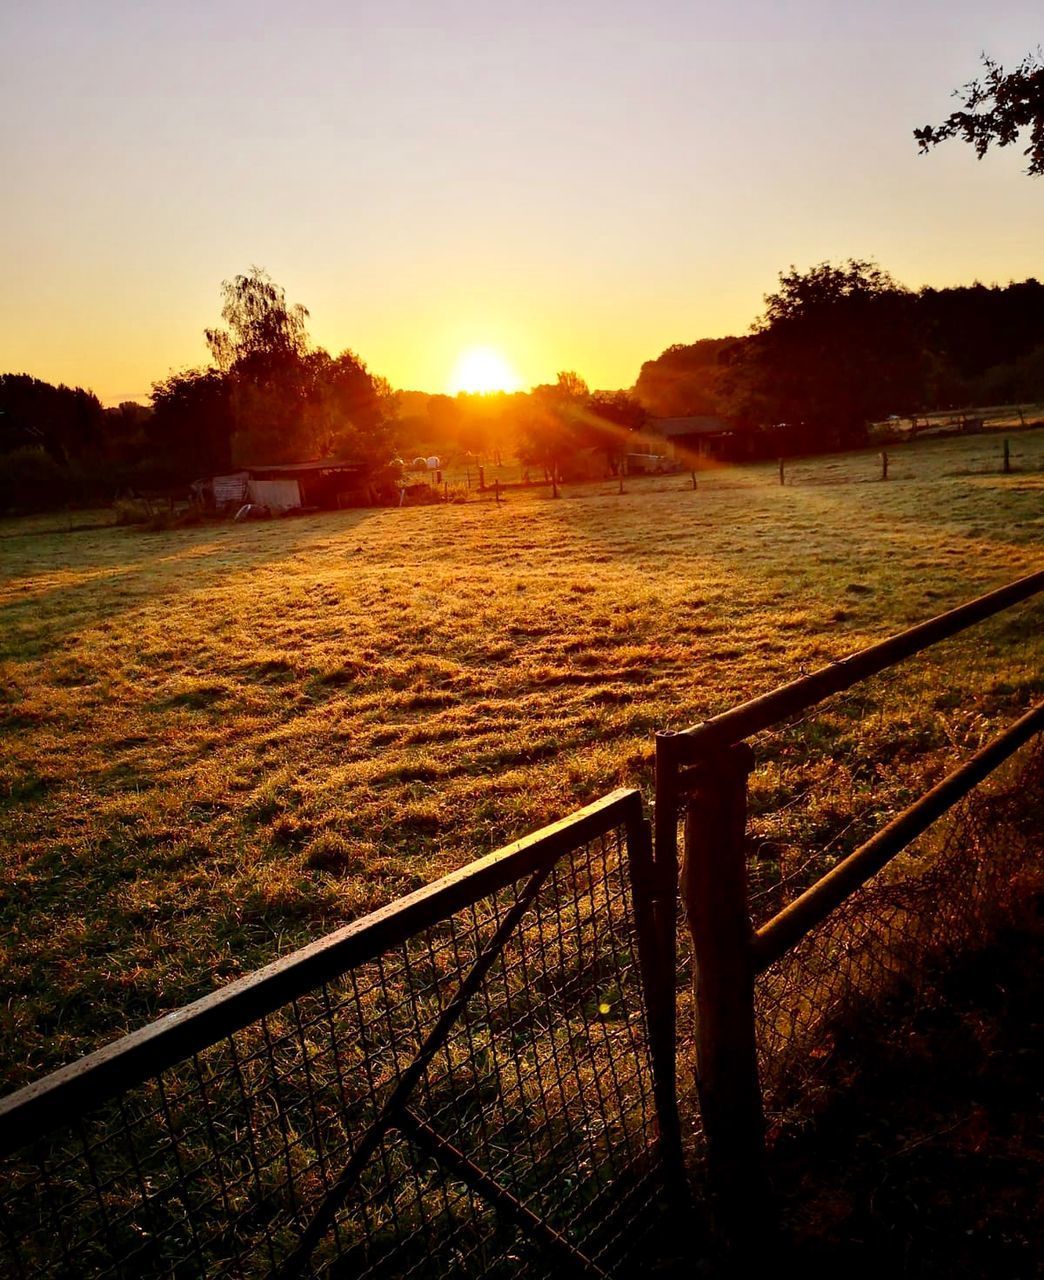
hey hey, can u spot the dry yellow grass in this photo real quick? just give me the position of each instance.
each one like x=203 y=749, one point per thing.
x=222 y=741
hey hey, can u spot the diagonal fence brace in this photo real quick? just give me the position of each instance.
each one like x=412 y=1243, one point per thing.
x=568 y=1260
x=324 y=1215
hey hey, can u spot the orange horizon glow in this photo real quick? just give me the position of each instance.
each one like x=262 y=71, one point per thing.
x=481 y=370
x=531 y=180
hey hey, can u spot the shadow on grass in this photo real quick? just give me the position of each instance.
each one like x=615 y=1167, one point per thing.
x=128 y=568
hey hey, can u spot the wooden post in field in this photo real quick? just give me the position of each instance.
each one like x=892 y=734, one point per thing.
x=445 y=491
x=621 y=480
x=467 y=477
x=496 y=488
x=482 y=478
x=714 y=890
x=1007 y=459
x=884 y=464
x=782 y=473
x=693 y=474
x=554 y=482
x=1022 y=416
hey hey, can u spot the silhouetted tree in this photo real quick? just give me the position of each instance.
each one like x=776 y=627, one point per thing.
x=260 y=324
x=978 y=326
x=126 y=432
x=996 y=111
x=290 y=402
x=350 y=410
x=482 y=421
x=263 y=353
x=837 y=347
x=66 y=422
x=609 y=424
x=444 y=415
x=192 y=422
x=31 y=480
x=685 y=379
x=551 y=423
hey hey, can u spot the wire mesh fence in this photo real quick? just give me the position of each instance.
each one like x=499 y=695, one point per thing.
x=827 y=779
x=475 y=1099
x=944 y=893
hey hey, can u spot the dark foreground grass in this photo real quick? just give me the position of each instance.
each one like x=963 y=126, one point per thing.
x=928 y=1161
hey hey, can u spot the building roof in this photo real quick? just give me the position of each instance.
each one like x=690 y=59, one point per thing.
x=700 y=425
x=327 y=464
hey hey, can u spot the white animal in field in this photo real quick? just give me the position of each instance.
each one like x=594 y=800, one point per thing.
x=433 y=463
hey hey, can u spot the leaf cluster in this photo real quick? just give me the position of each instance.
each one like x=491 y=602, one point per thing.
x=997 y=110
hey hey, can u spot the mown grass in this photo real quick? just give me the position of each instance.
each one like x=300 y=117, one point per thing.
x=220 y=742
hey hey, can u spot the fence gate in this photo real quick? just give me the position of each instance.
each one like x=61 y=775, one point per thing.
x=459 y=1084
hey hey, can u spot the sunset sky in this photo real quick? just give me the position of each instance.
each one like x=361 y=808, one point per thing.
x=568 y=184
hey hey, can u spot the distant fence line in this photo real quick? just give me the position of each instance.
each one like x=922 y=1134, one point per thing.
x=482 y=1078
x=876 y=465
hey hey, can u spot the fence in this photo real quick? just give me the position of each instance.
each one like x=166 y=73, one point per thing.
x=764 y=998
x=458 y=1084
x=481 y=1078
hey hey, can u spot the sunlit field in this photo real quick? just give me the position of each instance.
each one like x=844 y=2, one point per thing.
x=222 y=741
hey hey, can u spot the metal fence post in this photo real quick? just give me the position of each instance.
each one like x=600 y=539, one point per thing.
x=714 y=889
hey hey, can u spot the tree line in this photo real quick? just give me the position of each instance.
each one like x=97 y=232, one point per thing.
x=841 y=346
x=836 y=348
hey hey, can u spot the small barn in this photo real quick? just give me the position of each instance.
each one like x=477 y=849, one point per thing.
x=700 y=436
x=288 y=486
x=221 y=493
x=330 y=484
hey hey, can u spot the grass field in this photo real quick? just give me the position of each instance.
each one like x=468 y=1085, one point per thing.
x=219 y=742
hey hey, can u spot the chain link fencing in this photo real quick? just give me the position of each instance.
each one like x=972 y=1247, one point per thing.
x=946 y=892
x=473 y=1100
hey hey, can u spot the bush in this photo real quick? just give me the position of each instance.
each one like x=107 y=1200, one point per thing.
x=155 y=517
x=31 y=480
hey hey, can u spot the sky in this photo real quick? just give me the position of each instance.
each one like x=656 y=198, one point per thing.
x=570 y=184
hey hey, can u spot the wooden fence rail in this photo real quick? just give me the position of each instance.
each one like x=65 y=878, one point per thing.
x=701 y=778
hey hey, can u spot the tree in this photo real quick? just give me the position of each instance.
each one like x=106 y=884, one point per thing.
x=67 y=422
x=31 y=480
x=263 y=353
x=837 y=347
x=996 y=110
x=685 y=379
x=609 y=424
x=289 y=401
x=260 y=324
x=192 y=422
x=126 y=431
x=350 y=410
x=551 y=423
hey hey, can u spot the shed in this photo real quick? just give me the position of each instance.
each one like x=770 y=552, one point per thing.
x=696 y=436
x=307 y=484
x=222 y=493
x=287 y=486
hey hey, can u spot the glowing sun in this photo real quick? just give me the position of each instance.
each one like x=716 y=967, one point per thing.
x=483 y=369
